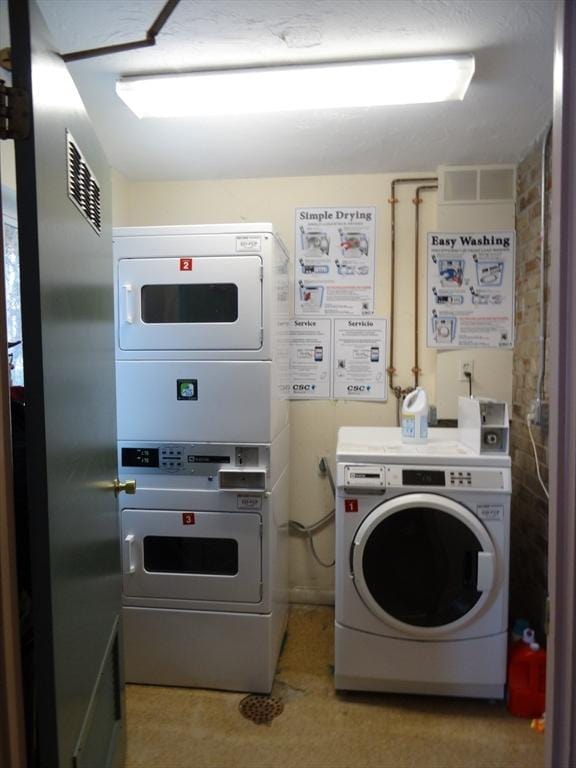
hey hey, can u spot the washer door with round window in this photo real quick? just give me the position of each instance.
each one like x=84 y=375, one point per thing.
x=424 y=565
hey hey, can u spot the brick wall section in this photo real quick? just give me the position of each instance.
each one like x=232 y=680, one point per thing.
x=528 y=581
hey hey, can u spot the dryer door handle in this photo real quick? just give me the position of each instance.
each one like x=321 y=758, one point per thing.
x=485 y=579
x=129 y=565
x=128 y=299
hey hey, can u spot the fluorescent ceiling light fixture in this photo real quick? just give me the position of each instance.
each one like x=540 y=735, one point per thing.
x=311 y=86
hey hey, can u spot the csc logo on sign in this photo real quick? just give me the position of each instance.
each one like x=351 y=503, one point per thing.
x=357 y=388
x=303 y=387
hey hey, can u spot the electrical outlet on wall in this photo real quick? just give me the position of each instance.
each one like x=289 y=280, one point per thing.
x=466 y=366
x=539 y=414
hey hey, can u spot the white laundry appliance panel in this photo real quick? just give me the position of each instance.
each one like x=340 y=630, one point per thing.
x=200 y=400
x=216 y=304
x=245 y=469
x=261 y=535
x=422 y=558
x=192 y=555
x=225 y=651
x=475 y=668
x=384 y=445
x=252 y=524
x=200 y=292
x=185 y=480
x=199 y=466
x=420 y=565
x=209 y=642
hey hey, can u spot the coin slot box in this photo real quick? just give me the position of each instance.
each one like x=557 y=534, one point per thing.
x=483 y=424
x=242 y=480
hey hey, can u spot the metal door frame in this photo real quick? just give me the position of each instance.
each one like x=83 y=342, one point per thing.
x=12 y=729
x=561 y=672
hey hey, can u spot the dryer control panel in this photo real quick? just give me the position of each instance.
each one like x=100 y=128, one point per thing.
x=189 y=458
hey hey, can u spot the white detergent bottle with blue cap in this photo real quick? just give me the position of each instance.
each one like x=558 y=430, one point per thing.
x=415 y=417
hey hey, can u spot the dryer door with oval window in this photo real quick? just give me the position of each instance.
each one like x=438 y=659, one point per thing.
x=424 y=564
x=199 y=303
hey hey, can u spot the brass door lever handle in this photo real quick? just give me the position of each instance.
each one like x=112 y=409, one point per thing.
x=128 y=487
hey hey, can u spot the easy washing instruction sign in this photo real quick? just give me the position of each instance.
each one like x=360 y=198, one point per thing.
x=471 y=289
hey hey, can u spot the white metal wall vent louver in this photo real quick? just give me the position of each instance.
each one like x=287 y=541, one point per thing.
x=83 y=188
x=476 y=184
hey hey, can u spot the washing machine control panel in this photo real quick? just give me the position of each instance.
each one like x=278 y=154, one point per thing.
x=426 y=477
x=368 y=476
x=459 y=478
x=374 y=477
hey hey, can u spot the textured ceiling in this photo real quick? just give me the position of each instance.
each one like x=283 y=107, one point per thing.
x=508 y=104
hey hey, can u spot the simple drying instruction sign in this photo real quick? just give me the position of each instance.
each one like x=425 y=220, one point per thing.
x=334 y=261
x=471 y=289
x=310 y=358
x=360 y=359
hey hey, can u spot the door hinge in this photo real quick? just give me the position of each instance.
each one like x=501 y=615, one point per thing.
x=14 y=112
x=6 y=59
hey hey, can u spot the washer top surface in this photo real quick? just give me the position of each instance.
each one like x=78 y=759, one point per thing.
x=384 y=445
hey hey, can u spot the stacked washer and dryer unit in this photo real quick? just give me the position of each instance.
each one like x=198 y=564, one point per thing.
x=203 y=430
x=422 y=543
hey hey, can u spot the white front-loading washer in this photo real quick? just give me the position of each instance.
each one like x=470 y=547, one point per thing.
x=422 y=554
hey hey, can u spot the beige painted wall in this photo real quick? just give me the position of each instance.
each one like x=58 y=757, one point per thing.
x=7 y=164
x=314 y=423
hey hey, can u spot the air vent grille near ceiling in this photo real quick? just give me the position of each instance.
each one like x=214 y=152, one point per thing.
x=83 y=188
x=476 y=184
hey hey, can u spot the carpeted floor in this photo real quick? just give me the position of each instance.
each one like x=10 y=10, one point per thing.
x=187 y=728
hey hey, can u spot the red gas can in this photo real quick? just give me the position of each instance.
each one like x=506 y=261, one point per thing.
x=526 y=680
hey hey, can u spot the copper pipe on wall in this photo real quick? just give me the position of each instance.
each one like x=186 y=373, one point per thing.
x=397 y=390
x=149 y=40
x=417 y=201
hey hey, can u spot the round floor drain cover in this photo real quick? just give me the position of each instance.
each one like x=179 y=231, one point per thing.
x=261 y=709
